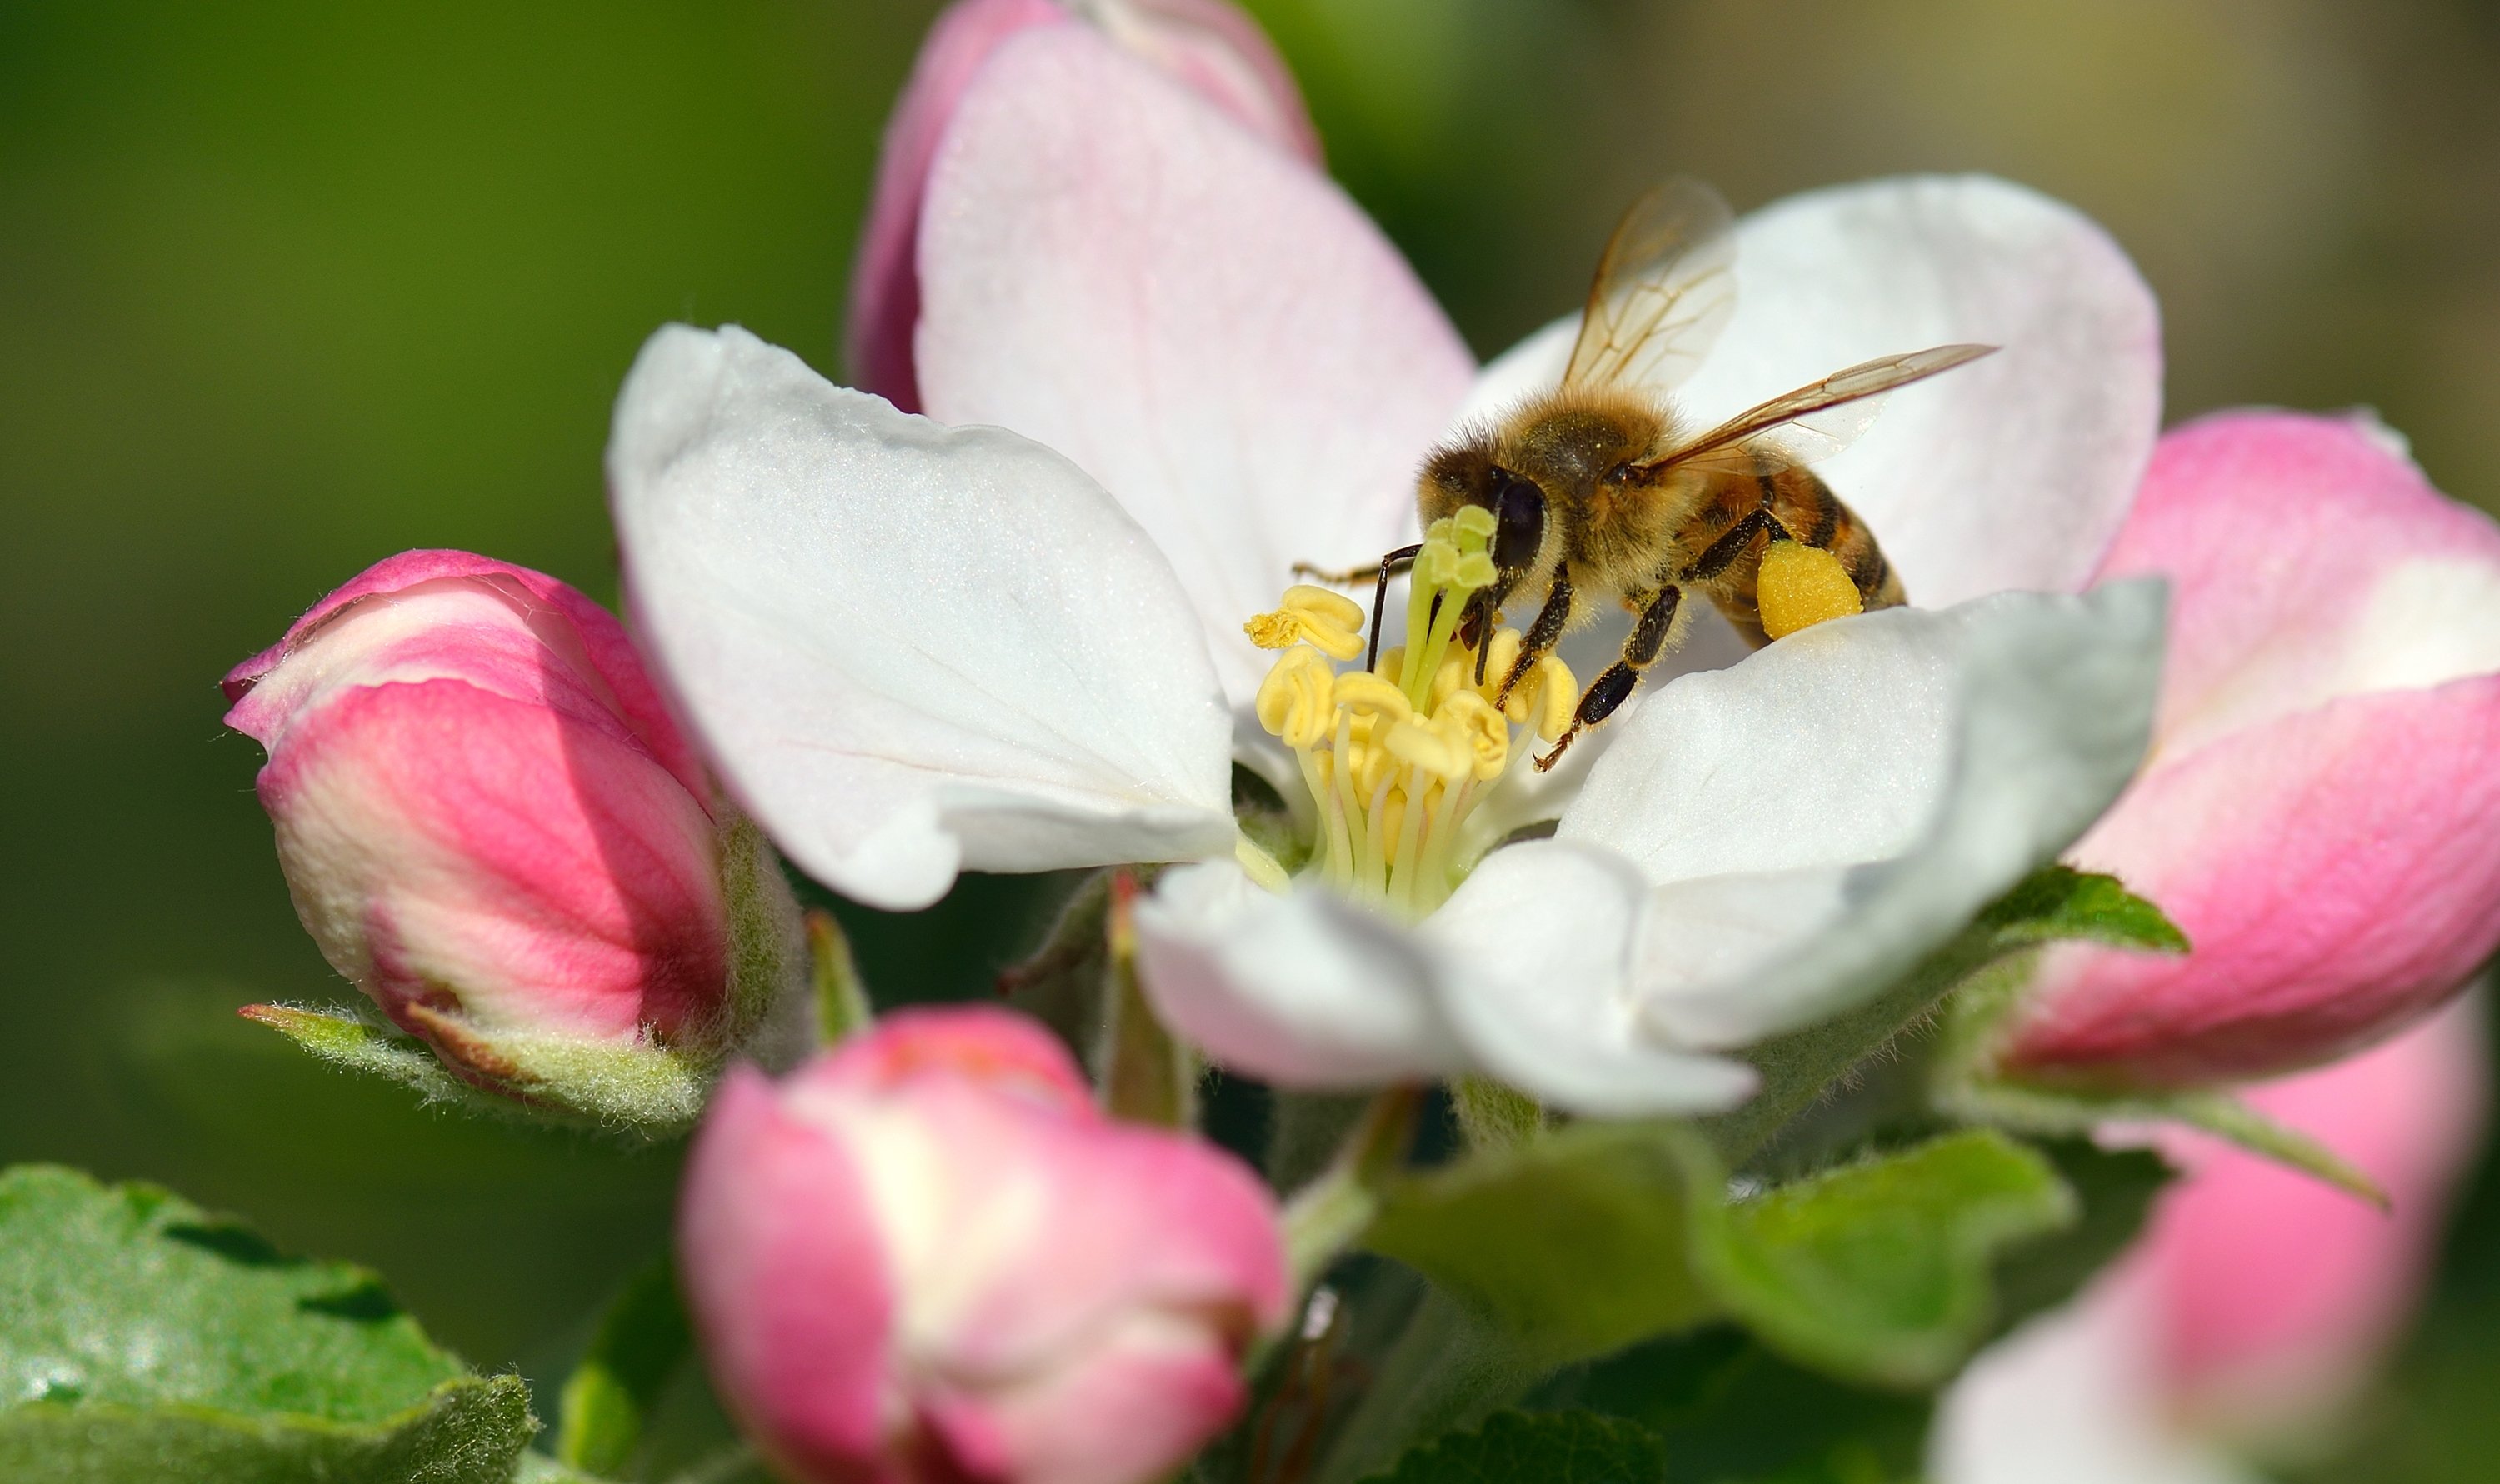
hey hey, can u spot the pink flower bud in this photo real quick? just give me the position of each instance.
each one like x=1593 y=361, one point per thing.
x=2320 y=811
x=925 y=1256
x=2276 y=1292
x=1207 y=45
x=486 y=818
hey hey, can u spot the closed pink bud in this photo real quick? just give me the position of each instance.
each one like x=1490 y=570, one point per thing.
x=2320 y=811
x=926 y=1256
x=1207 y=46
x=486 y=818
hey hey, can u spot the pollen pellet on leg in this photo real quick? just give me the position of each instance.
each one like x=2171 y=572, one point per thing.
x=1800 y=586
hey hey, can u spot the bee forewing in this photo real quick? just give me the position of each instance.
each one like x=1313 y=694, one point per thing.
x=1665 y=286
x=1817 y=420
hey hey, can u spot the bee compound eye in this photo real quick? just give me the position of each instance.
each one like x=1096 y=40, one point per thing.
x=1518 y=521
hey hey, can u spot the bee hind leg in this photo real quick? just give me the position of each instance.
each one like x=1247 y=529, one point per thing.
x=1611 y=689
x=1723 y=553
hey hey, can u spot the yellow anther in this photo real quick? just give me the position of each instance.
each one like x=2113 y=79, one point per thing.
x=1296 y=701
x=1545 y=696
x=1392 y=660
x=1458 y=671
x=1430 y=747
x=1364 y=693
x=1498 y=663
x=1800 y=586
x=1328 y=622
x=1470 y=720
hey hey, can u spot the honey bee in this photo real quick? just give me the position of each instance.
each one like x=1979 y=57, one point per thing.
x=1599 y=489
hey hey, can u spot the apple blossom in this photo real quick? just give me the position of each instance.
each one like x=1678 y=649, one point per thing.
x=914 y=649
x=2258 y=1300
x=926 y=1255
x=2320 y=813
x=491 y=826
x=1210 y=46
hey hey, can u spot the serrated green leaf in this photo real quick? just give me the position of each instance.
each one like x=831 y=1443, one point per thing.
x=147 y=1339
x=1538 y=1448
x=607 y=1400
x=1878 y=1270
x=1574 y=1243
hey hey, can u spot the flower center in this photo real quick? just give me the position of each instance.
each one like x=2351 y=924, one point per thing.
x=1399 y=755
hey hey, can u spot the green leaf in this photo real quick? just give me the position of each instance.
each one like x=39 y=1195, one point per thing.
x=2041 y=1110
x=642 y=1339
x=1878 y=1270
x=151 y=1340
x=1538 y=1448
x=1574 y=1243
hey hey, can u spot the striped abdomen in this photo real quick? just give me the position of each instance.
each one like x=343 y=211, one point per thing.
x=1812 y=514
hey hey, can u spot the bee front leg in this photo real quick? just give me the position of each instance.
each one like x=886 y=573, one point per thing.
x=1541 y=636
x=1610 y=690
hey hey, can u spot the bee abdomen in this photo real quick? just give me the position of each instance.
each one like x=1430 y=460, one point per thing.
x=1814 y=516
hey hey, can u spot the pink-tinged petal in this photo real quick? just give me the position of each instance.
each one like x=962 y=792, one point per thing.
x=2276 y=1293
x=2337 y=873
x=2010 y=473
x=1205 y=325
x=455 y=848
x=981 y=1044
x=2310 y=560
x=1207 y=46
x=910 y=650
x=786 y=1276
x=557 y=645
x=2318 y=813
x=1045 y=1294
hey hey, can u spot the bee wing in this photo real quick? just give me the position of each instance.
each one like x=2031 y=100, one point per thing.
x=1665 y=288
x=1817 y=420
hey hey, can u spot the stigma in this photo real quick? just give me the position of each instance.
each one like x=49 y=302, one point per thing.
x=1397 y=755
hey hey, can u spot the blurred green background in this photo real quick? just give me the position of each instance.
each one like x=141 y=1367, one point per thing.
x=284 y=289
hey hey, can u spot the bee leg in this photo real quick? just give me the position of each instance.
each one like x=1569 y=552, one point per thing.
x=1611 y=689
x=1728 y=548
x=1551 y=620
x=1391 y=561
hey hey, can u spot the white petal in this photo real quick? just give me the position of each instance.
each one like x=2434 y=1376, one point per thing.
x=909 y=649
x=1536 y=948
x=1816 y=818
x=1304 y=989
x=2011 y=473
x=1205 y=323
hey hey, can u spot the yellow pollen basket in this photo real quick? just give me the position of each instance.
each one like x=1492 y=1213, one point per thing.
x=1396 y=757
x=1802 y=586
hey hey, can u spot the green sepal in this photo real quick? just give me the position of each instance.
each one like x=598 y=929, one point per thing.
x=649 y=1090
x=1968 y=1083
x=155 y=1341
x=644 y=1338
x=1536 y=1448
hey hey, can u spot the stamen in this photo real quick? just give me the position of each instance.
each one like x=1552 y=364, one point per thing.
x=1328 y=622
x=1396 y=755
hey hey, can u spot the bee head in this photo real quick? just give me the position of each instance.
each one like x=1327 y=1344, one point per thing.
x=1463 y=473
